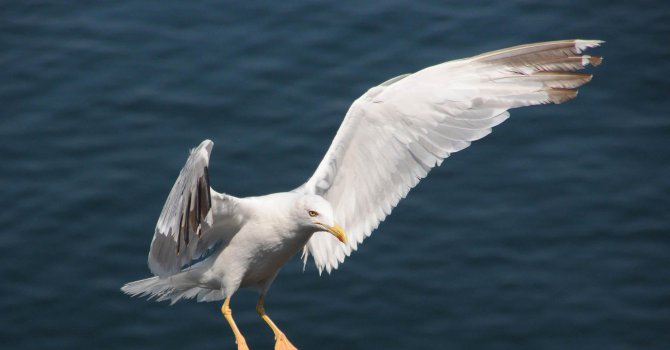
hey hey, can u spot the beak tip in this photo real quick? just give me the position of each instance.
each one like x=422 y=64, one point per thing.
x=339 y=233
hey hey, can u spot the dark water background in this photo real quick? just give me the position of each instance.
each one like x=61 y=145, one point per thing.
x=552 y=233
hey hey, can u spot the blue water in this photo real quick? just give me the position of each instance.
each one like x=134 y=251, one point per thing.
x=551 y=233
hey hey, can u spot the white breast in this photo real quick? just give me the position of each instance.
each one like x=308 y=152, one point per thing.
x=266 y=242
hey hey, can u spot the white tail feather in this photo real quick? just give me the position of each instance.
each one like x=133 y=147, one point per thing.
x=184 y=285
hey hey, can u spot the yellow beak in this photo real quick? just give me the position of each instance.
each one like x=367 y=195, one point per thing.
x=337 y=231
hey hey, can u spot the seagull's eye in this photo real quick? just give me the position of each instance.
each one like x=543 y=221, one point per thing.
x=312 y=213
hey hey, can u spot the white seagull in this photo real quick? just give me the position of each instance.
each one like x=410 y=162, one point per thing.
x=207 y=244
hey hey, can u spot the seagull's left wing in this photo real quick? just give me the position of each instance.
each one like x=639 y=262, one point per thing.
x=194 y=219
x=396 y=132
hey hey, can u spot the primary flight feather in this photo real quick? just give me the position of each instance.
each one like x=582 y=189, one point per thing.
x=389 y=140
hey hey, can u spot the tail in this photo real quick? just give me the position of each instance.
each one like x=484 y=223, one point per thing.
x=184 y=285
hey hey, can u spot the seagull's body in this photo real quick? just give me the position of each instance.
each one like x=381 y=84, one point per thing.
x=257 y=240
x=390 y=138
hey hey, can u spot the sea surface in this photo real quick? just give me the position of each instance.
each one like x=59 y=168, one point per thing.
x=551 y=233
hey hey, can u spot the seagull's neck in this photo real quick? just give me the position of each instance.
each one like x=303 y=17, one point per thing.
x=276 y=212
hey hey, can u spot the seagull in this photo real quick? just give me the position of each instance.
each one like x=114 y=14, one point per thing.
x=207 y=244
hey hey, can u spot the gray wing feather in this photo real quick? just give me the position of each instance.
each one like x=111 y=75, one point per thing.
x=183 y=231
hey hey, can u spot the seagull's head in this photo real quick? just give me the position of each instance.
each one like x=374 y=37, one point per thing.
x=316 y=213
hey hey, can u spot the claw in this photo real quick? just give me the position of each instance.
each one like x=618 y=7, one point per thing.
x=282 y=343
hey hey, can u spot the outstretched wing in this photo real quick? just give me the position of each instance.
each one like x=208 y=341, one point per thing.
x=194 y=217
x=396 y=132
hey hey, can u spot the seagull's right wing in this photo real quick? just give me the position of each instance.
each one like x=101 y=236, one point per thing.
x=194 y=218
x=397 y=131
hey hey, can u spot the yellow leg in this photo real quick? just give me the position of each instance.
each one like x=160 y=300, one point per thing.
x=228 y=314
x=281 y=342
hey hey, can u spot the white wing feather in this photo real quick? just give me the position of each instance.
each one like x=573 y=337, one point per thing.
x=194 y=218
x=397 y=131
